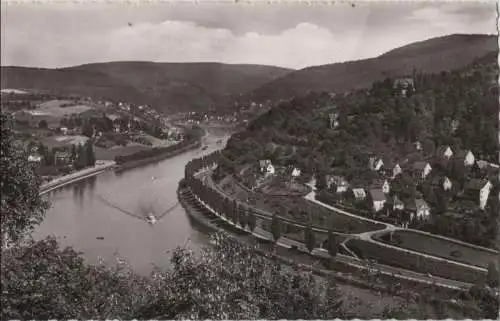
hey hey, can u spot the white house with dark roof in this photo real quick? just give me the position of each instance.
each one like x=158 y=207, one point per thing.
x=382 y=184
x=396 y=170
x=479 y=189
x=421 y=169
x=375 y=163
x=418 y=208
x=378 y=199
x=467 y=157
x=444 y=151
x=341 y=184
x=264 y=164
x=397 y=204
x=296 y=172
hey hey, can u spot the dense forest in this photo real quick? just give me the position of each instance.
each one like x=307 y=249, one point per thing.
x=376 y=121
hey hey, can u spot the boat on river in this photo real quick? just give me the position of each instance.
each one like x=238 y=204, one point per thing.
x=151 y=219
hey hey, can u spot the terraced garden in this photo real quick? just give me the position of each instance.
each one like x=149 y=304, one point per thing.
x=298 y=209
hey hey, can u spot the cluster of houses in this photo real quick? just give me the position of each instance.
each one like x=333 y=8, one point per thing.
x=477 y=189
x=60 y=147
x=378 y=192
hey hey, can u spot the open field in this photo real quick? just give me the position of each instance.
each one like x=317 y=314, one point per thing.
x=54 y=109
x=297 y=209
x=441 y=248
x=400 y=258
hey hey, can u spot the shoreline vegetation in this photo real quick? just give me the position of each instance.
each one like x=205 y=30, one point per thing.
x=192 y=140
x=163 y=153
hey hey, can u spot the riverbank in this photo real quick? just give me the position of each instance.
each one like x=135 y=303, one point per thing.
x=198 y=213
x=162 y=156
x=100 y=167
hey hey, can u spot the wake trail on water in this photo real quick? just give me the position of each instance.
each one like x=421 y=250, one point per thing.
x=142 y=217
x=108 y=203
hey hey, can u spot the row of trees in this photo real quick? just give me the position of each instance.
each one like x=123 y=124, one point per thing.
x=81 y=156
x=241 y=213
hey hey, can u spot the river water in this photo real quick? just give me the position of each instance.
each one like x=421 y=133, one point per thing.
x=104 y=218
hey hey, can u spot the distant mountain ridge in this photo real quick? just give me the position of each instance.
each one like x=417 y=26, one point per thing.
x=432 y=55
x=167 y=86
x=201 y=86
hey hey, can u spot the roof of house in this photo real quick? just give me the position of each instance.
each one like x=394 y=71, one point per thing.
x=377 y=194
x=378 y=183
x=476 y=184
x=442 y=149
x=482 y=164
x=264 y=162
x=359 y=192
x=397 y=201
x=420 y=203
x=414 y=204
x=420 y=165
x=462 y=153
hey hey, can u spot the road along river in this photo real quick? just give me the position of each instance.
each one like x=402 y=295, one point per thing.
x=104 y=217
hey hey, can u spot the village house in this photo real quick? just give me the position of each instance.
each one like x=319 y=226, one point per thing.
x=478 y=189
x=270 y=170
x=418 y=208
x=421 y=169
x=442 y=182
x=35 y=158
x=483 y=165
x=447 y=185
x=359 y=194
x=403 y=86
x=62 y=158
x=296 y=172
x=444 y=151
x=333 y=117
x=339 y=182
x=377 y=198
x=375 y=163
x=467 y=157
x=382 y=184
x=263 y=164
x=454 y=125
x=396 y=170
x=397 y=204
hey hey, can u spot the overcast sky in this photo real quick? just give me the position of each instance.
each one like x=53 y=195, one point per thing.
x=287 y=35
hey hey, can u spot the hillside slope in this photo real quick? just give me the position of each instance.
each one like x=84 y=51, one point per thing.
x=433 y=55
x=167 y=86
x=69 y=82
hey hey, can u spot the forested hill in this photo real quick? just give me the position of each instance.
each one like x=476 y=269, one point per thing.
x=433 y=55
x=169 y=87
x=379 y=122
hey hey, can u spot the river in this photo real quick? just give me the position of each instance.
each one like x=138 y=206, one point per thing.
x=104 y=218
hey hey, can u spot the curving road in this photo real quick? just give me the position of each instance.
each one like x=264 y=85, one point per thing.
x=355 y=262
